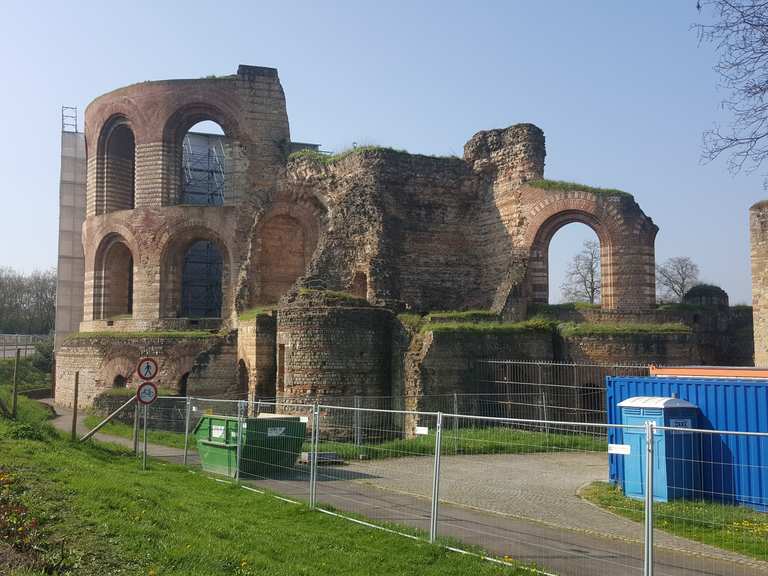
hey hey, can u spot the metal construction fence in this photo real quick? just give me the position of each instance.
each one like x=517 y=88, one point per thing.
x=25 y=343
x=526 y=490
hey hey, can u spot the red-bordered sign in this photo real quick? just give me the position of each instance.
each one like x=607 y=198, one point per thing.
x=147 y=393
x=147 y=368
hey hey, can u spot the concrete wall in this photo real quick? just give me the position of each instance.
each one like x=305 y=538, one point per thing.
x=70 y=264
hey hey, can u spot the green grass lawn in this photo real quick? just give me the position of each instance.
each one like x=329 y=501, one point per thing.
x=466 y=441
x=162 y=437
x=28 y=377
x=734 y=528
x=90 y=510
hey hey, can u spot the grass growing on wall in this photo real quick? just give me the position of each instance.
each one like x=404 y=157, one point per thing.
x=462 y=315
x=553 y=310
x=563 y=186
x=317 y=156
x=332 y=295
x=180 y=334
x=411 y=321
x=531 y=325
x=253 y=313
x=586 y=329
x=736 y=528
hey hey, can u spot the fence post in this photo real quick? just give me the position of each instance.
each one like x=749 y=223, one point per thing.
x=436 y=480
x=357 y=430
x=144 y=452
x=455 y=423
x=313 y=456
x=239 y=453
x=74 y=406
x=649 y=462
x=15 y=392
x=186 y=429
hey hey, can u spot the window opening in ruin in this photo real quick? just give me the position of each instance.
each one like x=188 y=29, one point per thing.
x=114 y=288
x=280 y=370
x=205 y=165
x=201 y=281
x=183 y=384
x=242 y=380
x=120 y=381
x=119 y=170
x=572 y=265
x=359 y=286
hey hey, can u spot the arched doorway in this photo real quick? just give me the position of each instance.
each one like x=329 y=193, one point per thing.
x=359 y=285
x=117 y=167
x=120 y=381
x=205 y=165
x=113 y=279
x=183 y=384
x=573 y=266
x=201 y=281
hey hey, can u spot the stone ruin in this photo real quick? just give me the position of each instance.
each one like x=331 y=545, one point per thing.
x=254 y=266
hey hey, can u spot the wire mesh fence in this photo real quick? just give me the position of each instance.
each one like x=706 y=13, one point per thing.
x=539 y=491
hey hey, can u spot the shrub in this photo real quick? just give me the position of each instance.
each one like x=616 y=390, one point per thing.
x=42 y=359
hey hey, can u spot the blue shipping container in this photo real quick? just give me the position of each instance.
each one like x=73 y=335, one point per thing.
x=734 y=468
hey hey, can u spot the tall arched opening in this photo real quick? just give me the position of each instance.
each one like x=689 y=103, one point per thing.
x=113 y=279
x=573 y=265
x=201 y=281
x=116 y=189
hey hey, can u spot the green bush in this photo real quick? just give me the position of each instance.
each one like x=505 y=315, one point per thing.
x=42 y=359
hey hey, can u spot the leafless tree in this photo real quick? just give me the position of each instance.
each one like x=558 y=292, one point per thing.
x=27 y=301
x=739 y=33
x=582 y=277
x=675 y=277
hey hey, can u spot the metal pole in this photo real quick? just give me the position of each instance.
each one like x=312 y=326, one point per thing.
x=186 y=429
x=436 y=480
x=358 y=432
x=649 y=463
x=144 y=453
x=239 y=437
x=313 y=456
x=107 y=419
x=15 y=394
x=455 y=423
x=74 y=406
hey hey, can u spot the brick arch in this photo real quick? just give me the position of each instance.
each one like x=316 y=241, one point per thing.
x=176 y=127
x=282 y=245
x=174 y=249
x=112 y=278
x=626 y=238
x=113 y=182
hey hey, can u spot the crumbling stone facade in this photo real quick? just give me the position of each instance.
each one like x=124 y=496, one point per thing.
x=758 y=233
x=398 y=231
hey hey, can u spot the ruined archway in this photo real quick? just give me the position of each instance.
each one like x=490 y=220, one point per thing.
x=195 y=276
x=113 y=279
x=116 y=167
x=281 y=250
x=626 y=237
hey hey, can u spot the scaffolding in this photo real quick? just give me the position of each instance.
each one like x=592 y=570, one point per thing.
x=69 y=119
x=205 y=164
x=201 y=281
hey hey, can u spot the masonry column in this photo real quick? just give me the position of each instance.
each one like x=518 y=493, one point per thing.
x=758 y=233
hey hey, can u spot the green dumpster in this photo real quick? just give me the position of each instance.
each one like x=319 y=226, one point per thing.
x=271 y=444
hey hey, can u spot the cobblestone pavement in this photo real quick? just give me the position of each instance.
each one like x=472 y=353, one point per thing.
x=541 y=487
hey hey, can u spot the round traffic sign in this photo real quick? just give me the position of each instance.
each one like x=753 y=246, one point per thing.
x=147 y=393
x=147 y=368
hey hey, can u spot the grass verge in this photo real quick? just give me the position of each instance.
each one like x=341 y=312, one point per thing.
x=27 y=378
x=735 y=528
x=468 y=441
x=94 y=512
x=161 y=437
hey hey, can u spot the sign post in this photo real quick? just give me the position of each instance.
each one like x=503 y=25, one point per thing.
x=146 y=395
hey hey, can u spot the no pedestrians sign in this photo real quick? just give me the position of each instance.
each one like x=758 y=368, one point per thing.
x=147 y=369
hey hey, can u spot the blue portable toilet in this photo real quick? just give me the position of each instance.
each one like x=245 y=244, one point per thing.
x=676 y=453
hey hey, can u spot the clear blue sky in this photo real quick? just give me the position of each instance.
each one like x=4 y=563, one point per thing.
x=621 y=89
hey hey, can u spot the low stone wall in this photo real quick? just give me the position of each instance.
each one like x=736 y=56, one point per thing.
x=662 y=349
x=209 y=363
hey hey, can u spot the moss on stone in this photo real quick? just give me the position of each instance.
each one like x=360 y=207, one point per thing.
x=532 y=325
x=564 y=186
x=411 y=321
x=588 y=329
x=253 y=313
x=174 y=334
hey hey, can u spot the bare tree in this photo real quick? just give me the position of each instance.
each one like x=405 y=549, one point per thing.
x=582 y=277
x=675 y=277
x=739 y=33
x=27 y=302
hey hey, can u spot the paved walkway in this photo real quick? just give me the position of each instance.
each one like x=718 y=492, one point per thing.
x=538 y=515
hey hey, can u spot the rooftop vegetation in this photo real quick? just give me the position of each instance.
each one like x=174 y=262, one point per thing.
x=145 y=334
x=589 y=329
x=563 y=186
x=531 y=325
x=253 y=313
